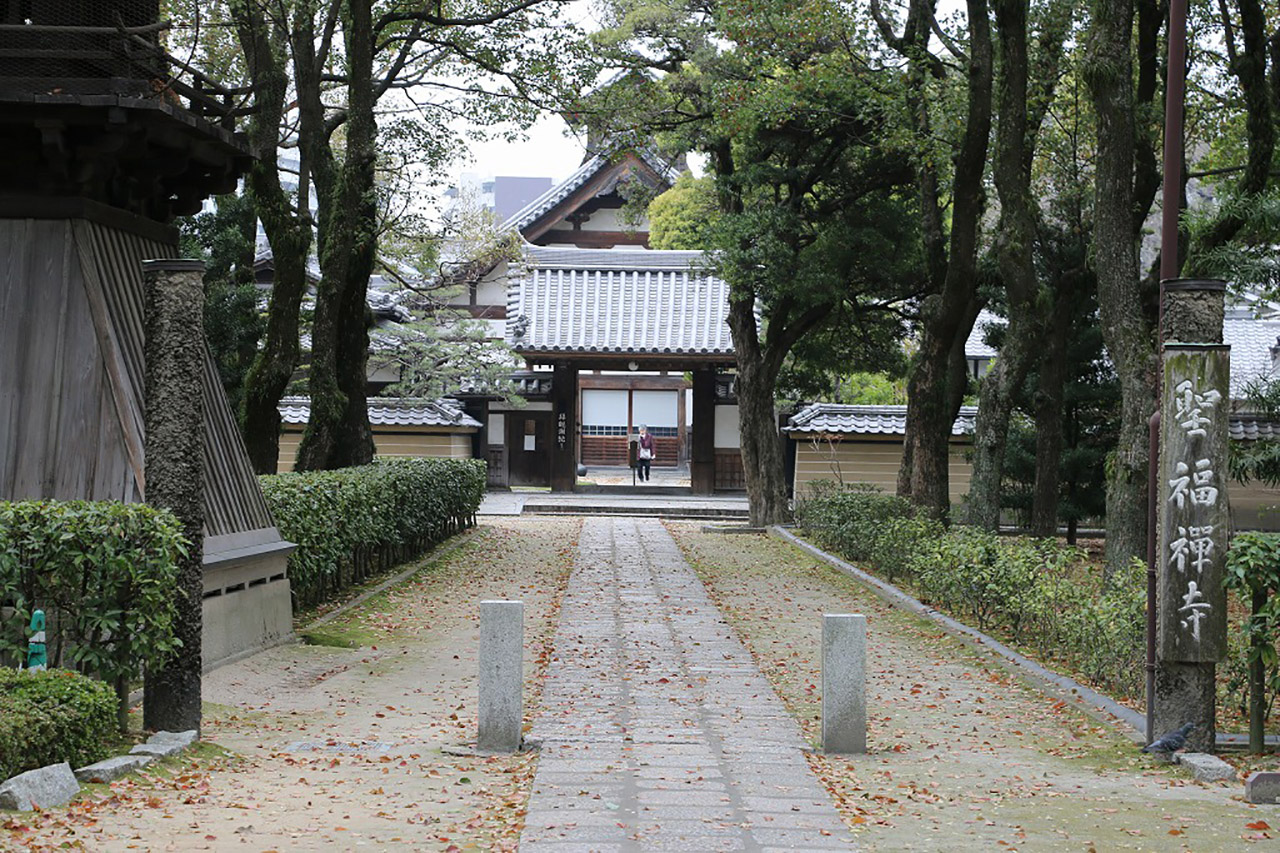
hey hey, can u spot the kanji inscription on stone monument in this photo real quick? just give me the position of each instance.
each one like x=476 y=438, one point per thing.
x=1193 y=517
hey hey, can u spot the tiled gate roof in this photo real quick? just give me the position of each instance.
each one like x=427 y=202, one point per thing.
x=642 y=302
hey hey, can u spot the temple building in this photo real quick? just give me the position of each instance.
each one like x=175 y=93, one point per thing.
x=614 y=334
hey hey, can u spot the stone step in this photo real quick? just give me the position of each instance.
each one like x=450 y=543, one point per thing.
x=638 y=489
x=694 y=512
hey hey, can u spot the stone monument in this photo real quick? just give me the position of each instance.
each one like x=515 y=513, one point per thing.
x=1193 y=521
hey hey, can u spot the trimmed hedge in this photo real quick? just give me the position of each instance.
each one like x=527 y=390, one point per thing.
x=105 y=574
x=1037 y=592
x=351 y=523
x=53 y=716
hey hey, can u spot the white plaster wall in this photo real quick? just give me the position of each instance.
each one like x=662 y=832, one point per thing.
x=727 y=420
x=608 y=220
x=492 y=289
x=655 y=408
x=604 y=407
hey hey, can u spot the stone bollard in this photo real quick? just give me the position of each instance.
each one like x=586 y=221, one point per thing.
x=844 y=701
x=501 y=680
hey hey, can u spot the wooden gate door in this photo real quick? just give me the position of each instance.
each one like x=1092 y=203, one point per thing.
x=529 y=448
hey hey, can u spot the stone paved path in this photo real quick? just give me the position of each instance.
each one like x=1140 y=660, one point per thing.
x=657 y=731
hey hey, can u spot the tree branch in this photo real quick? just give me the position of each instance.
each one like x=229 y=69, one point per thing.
x=437 y=19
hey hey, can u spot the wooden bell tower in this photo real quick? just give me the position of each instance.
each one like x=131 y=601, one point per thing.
x=106 y=138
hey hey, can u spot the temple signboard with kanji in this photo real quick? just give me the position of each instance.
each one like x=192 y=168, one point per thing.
x=1194 y=519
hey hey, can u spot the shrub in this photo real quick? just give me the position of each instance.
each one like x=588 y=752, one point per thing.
x=899 y=540
x=1253 y=574
x=1038 y=592
x=104 y=572
x=54 y=716
x=851 y=521
x=351 y=522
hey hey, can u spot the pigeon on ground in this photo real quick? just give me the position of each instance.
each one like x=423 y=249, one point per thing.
x=1170 y=741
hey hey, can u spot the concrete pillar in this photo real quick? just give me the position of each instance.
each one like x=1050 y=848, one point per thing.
x=174 y=472
x=844 y=700
x=564 y=428
x=702 y=456
x=501 y=676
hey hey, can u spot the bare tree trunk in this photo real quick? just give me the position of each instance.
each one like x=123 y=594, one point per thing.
x=1014 y=241
x=1248 y=63
x=289 y=234
x=1048 y=402
x=338 y=433
x=935 y=392
x=934 y=389
x=758 y=421
x=1128 y=335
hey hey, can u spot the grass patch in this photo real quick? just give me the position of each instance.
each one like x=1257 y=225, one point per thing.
x=339 y=636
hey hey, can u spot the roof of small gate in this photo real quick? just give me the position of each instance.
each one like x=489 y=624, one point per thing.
x=618 y=301
x=392 y=411
x=817 y=418
x=845 y=419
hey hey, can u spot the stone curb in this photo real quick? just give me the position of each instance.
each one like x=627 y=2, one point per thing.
x=56 y=784
x=1102 y=707
x=1206 y=767
x=42 y=788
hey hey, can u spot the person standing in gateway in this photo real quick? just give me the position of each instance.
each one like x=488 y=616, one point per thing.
x=644 y=453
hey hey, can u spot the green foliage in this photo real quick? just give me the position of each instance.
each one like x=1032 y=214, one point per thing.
x=350 y=522
x=818 y=227
x=1259 y=459
x=1090 y=400
x=225 y=240
x=850 y=521
x=897 y=541
x=104 y=573
x=53 y=716
x=871 y=389
x=1035 y=591
x=1248 y=261
x=865 y=524
x=1253 y=573
x=684 y=216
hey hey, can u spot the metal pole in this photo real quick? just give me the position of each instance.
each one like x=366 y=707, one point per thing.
x=1175 y=88
x=1153 y=426
x=1171 y=201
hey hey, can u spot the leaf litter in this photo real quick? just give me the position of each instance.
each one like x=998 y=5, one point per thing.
x=962 y=753
x=334 y=747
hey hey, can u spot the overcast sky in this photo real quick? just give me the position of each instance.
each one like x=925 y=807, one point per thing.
x=547 y=152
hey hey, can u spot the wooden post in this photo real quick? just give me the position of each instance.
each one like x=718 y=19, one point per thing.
x=174 y=450
x=1193 y=522
x=564 y=428
x=702 y=458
